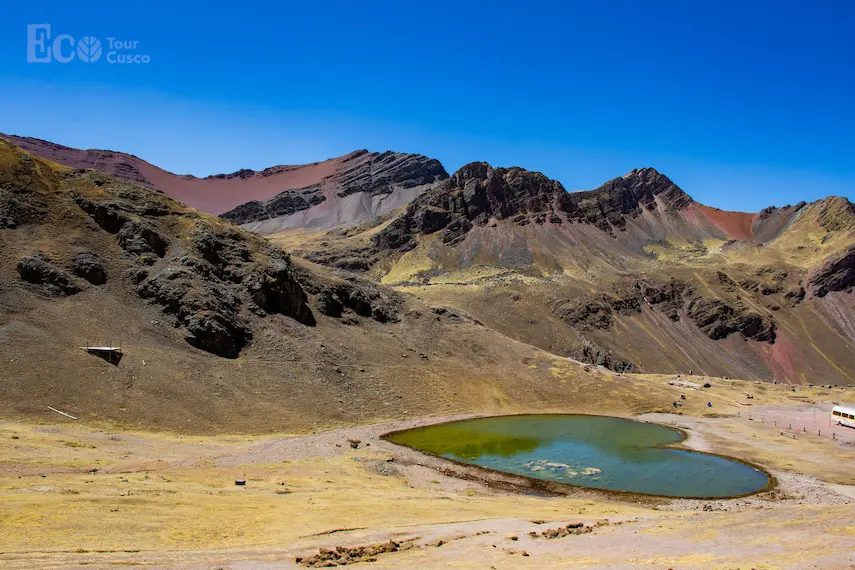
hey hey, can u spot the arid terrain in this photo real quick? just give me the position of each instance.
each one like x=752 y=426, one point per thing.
x=386 y=294
x=78 y=495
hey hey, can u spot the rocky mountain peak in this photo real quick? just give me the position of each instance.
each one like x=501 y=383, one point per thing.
x=477 y=193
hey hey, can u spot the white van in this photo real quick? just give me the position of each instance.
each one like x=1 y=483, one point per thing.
x=841 y=415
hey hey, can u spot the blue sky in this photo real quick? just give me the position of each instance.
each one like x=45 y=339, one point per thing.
x=743 y=104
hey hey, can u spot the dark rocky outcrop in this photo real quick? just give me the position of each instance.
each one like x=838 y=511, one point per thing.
x=363 y=172
x=140 y=239
x=383 y=172
x=275 y=290
x=218 y=281
x=210 y=312
x=836 y=274
x=108 y=216
x=363 y=299
x=719 y=320
x=676 y=299
x=349 y=295
x=89 y=267
x=612 y=204
x=283 y=204
x=36 y=269
x=796 y=295
x=478 y=192
x=216 y=293
x=592 y=353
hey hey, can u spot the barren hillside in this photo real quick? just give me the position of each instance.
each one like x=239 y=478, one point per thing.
x=221 y=331
x=634 y=275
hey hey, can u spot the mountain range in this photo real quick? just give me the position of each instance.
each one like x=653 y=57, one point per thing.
x=634 y=275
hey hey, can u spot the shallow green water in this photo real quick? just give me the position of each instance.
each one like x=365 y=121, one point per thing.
x=591 y=451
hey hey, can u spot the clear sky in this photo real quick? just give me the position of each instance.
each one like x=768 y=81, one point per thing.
x=743 y=104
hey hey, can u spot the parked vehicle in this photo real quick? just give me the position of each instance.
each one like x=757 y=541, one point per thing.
x=841 y=415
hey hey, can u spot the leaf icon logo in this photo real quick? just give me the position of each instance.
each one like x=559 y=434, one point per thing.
x=89 y=49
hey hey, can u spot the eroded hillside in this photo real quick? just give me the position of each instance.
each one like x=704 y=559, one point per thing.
x=634 y=275
x=224 y=332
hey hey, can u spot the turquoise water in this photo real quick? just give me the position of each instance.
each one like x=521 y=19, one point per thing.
x=590 y=451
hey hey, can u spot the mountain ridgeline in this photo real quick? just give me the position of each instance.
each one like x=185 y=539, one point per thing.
x=478 y=193
x=632 y=275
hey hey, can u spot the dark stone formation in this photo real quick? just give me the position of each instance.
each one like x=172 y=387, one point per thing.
x=584 y=313
x=274 y=289
x=217 y=289
x=210 y=312
x=760 y=287
x=352 y=295
x=108 y=216
x=719 y=320
x=89 y=267
x=837 y=274
x=397 y=236
x=222 y=250
x=478 y=192
x=37 y=270
x=138 y=238
x=364 y=172
x=795 y=296
x=283 y=204
x=329 y=304
x=594 y=354
x=384 y=171
x=243 y=174
x=216 y=334
x=716 y=318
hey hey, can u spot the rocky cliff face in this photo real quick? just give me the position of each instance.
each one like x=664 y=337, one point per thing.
x=609 y=206
x=717 y=318
x=283 y=204
x=477 y=193
x=373 y=174
x=836 y=274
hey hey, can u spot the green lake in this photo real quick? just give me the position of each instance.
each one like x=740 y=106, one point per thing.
x=591 y=451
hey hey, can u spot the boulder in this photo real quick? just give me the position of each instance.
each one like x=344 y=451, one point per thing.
x=216 y=334
x=54 y=281
x=89 y=267
x=139 y=238
x=108 y=216
x=276 y=291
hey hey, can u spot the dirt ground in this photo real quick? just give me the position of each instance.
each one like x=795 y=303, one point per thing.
x=77 y=496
